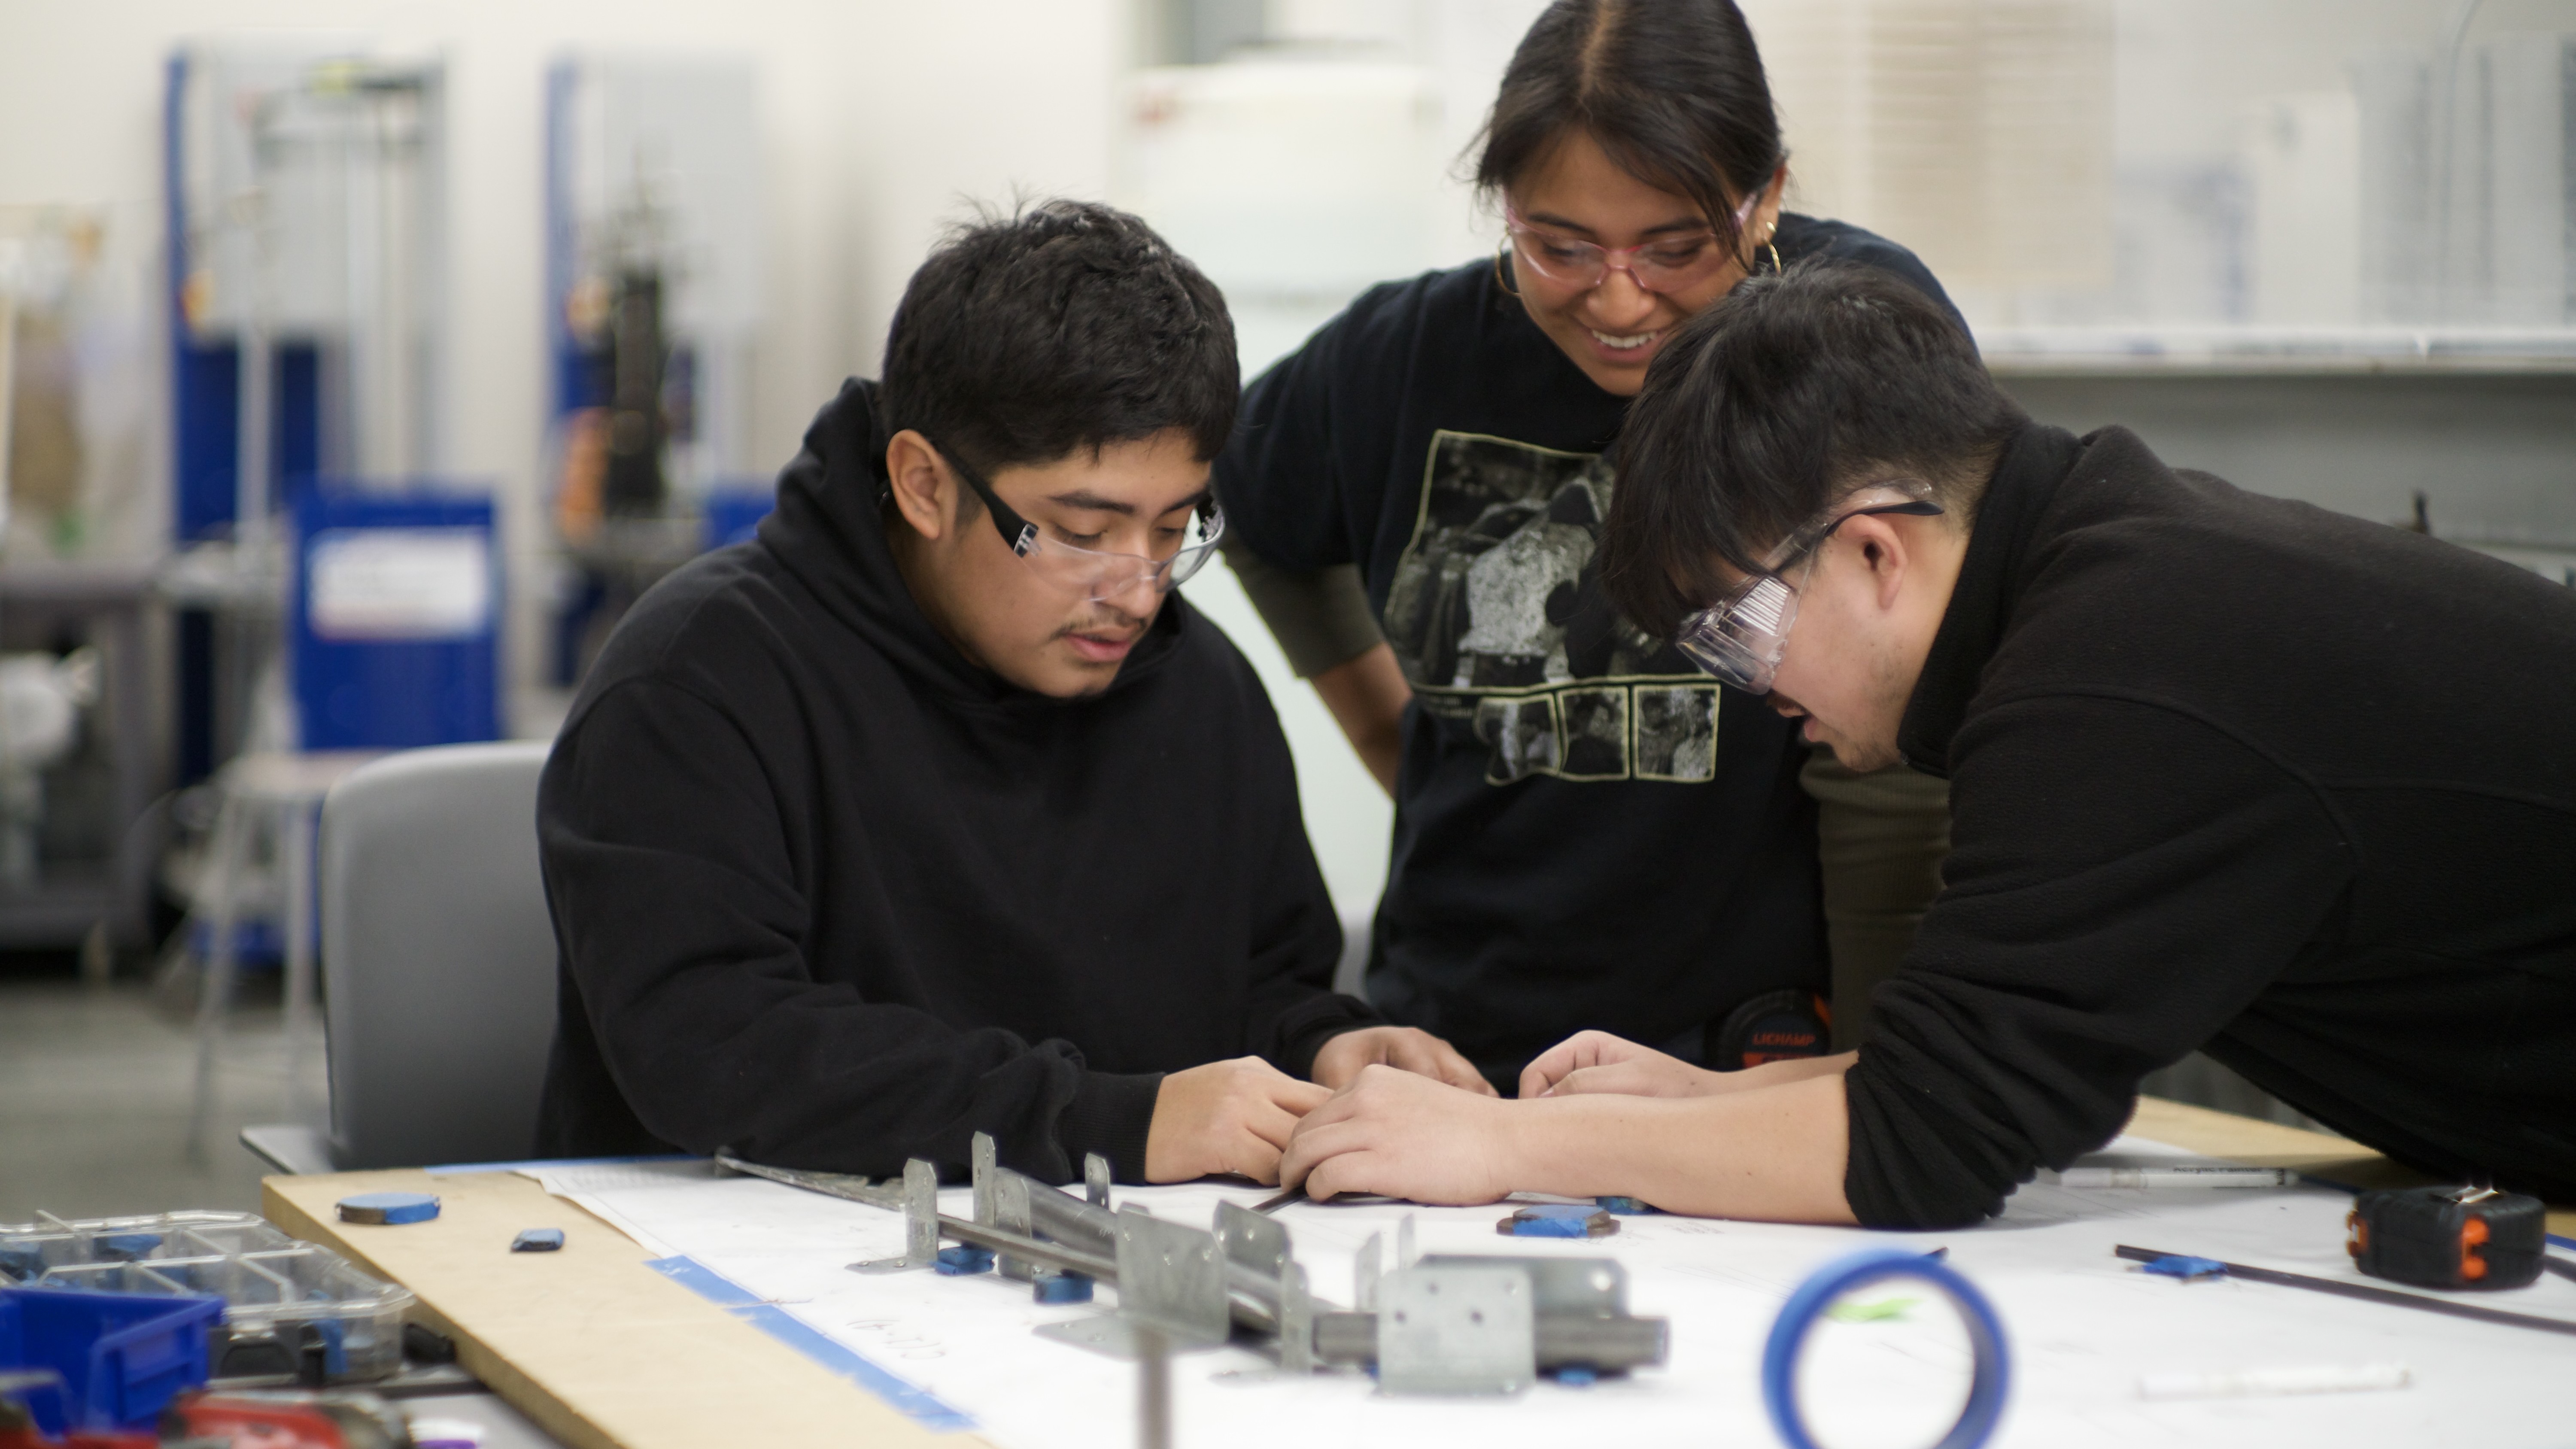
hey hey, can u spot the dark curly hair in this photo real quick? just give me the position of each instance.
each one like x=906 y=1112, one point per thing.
x=1064 y=325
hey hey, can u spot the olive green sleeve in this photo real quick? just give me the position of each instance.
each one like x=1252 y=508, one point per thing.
x=1320 y=617
x=1881 y=837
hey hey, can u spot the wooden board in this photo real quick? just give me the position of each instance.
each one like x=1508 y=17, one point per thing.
x=601 y=1351
x=2338 y=1160
x=605 y=1353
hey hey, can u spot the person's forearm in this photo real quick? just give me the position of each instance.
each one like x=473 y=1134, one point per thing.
x=1367 y=696
x=1776 y=1154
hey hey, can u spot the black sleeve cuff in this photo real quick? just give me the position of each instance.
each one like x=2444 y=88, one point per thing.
x=1111 y=1113
x=1337 y=1014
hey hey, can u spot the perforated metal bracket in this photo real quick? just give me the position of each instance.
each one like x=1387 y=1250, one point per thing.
x=982 y=1159
x=1171 y=1279
x=1456 y=1330
x=1095 y=1179
x=1251 y=1241
x=920 y=1222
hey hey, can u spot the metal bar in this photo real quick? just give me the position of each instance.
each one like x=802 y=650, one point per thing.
x=2367 y=1294
x=1563 y=1339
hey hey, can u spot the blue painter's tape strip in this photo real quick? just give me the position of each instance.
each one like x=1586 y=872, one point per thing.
x=908 y=1399
x=912 y=1402
x=2569 y=1243
x=704 y=1281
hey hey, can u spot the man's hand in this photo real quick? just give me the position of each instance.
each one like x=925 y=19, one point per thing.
x=1407 y=1136
x=1339 y=1061
x=1225 y=1117
x=1596 y=1061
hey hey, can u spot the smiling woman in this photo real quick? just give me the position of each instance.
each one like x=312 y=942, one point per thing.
x=1592 y=833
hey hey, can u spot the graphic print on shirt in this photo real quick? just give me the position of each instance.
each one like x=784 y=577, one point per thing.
x=1497 y=615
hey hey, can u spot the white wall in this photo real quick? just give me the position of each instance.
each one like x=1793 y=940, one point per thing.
x=878 y=116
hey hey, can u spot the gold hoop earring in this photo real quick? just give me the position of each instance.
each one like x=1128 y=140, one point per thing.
x=1774 y=249
x=1503 y=279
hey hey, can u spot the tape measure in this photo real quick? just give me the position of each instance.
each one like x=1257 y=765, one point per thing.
x=1986 y=1388
x=2448 y=1237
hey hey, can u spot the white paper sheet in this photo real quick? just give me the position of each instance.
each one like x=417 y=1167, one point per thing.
x=2083 y=1328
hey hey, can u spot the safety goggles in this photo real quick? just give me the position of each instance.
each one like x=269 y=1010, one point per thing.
x=1098 y=576
x=1666 y=264
x=1739 y=639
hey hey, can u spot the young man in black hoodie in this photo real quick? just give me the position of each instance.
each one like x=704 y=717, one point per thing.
x=932 y=811
x=2227 y=772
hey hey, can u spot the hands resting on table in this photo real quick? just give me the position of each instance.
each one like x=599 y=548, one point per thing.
x=1400 y=1112
x=1597 y=1115
x=1236 y=1116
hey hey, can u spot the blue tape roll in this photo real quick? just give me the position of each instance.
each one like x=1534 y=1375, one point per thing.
x=1986 y=1389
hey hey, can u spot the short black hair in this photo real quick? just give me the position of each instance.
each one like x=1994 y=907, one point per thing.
x=1673 y=90
x=1064 y=325
x=1770 y=405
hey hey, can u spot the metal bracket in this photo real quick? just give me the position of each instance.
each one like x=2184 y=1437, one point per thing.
x=1296 y=1321
x=1457 y=1330
x=1250 y=1240
x=1559 y=1287
x=920 y=1222
x=1365 y=1270
x=1095 y=1179
x=982 y=1159
x=1010 y=1193
x=1171 y=1280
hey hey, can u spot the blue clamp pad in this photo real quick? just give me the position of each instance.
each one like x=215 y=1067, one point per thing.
x=1577 y=1375
x=1558 y=1220
x=1626 y=1207
x=538 y=1240
x=963 y=1260
x=1986 y=1388
x=125 y=1247
x=2188 y=1269
x=388 y=1207
x=1061 y=1288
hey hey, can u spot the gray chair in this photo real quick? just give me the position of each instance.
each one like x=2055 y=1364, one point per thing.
x=438 y=964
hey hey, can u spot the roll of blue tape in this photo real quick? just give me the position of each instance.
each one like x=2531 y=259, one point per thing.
x=1986 y=1389
x=388 y=1207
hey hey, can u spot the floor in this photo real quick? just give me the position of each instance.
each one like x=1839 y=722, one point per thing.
x=96 y=1086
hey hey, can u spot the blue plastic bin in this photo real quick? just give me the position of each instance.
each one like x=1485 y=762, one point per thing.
x=123 y=1356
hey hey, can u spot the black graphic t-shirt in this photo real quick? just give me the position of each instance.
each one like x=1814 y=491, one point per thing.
x=1589 y=832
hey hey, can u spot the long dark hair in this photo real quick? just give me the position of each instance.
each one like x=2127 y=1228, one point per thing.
x=1673 y=90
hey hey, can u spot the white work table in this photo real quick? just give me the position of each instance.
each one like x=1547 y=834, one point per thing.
x=601 y=1347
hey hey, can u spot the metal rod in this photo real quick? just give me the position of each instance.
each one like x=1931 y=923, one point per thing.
x=2368 y=1294
x=1153 y=1389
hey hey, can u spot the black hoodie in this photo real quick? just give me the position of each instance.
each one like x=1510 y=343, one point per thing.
x=829 y=895
x=2238 y=774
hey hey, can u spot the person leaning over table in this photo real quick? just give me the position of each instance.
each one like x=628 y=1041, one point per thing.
x=2228 y=773
x=933 y=810
x=1557 y=773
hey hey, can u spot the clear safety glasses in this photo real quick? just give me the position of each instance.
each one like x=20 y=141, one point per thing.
x=1097 y=576
x=1666 y=264
x=1739 y=639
